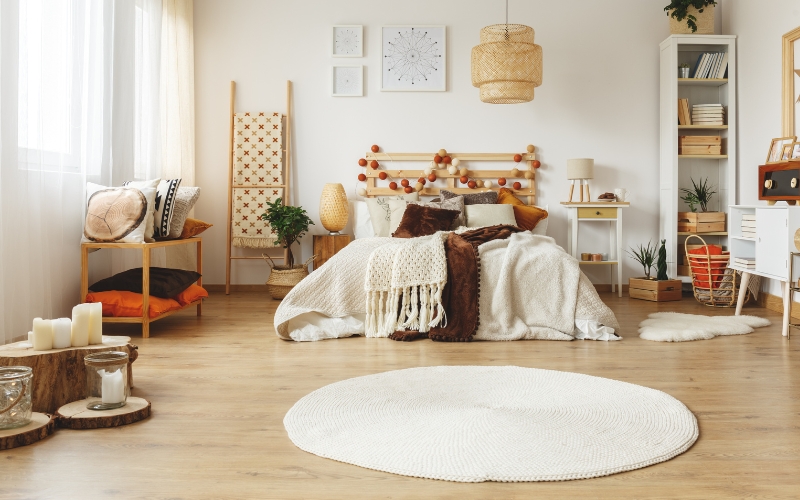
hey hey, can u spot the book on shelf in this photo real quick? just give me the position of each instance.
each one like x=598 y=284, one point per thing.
x=748 y=223
x=751 y=217
x=684 y=117
x=747 y=262
x=711 y=65
x=748 y=234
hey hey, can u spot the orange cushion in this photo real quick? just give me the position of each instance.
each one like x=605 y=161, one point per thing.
x=191 y=294
x=193 y=227
x=527 y=216
x=700 y=270
x=129 y=304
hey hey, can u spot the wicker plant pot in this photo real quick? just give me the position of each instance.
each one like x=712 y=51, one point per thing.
x=283 y=278
x=705 y=22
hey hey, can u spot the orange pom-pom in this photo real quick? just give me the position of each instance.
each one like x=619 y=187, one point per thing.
x=408 y=189
x=362 y=162
x=432 y=177
x=421 y=180
x=517 y=186
x=375 y=148
x=437 y=159
x=383 y=176
x=472 y=184
x=447 y=160
x=536 y=164
x=517 y=158
x=362 y=177
x=392 y=186
x=501 y=181
x=374 y=164
x=404 y=183
x=464 y=179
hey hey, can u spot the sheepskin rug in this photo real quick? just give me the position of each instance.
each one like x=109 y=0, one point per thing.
x=679 y=327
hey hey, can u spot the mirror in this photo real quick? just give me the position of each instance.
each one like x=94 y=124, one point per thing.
x=791 y=82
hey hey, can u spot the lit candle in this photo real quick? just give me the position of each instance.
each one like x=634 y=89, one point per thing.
x=30 y=338
x=42 y=334
x=80 y=325
x=95 y=323
x=113 y=391
x=62 y=333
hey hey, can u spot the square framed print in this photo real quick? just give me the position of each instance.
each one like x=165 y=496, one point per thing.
x=347 y=81
x=776 y=148
x=348 y=41
x=414 y=58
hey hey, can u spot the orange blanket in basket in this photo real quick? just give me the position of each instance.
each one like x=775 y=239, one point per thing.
x=700 y=271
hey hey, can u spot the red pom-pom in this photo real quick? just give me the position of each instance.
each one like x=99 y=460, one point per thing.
x=375 y=148
x=447 y=160
x=517 y=158
x=501 y=181
x=472 y=184
x=437 y=159
x=362 y=162
x=432 y=177
x=383 y=176
x=517 y=186
x=536 y=164
x=421 y=180
x=393 y=185
x=362 y=177
x=404 y=182
x=374 y=164
x=408 y=189
x=464 y=179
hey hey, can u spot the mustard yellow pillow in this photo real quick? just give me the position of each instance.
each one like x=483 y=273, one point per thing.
x=527 y=216
x=193 y=227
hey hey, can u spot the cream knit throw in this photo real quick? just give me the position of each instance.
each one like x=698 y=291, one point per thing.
x=413 y=271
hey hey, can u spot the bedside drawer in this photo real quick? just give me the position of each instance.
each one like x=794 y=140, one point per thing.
x=597 y=213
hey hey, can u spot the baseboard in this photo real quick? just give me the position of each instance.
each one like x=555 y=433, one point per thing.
x=236 y=288
x=601 y=287
x=775 y=303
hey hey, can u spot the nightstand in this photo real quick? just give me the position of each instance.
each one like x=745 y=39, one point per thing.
x=610 y=212
x=328 y=245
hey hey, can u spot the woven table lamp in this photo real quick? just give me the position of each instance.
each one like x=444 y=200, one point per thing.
x=581 y=170
x=333 y=211
x=507 y=65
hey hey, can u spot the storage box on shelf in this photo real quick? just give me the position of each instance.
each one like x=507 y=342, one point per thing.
x=701 y=222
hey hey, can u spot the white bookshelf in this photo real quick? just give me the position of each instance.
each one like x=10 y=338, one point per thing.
x=676 y=171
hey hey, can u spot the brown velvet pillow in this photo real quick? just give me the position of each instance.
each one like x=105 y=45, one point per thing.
x=422 y=221
x=484 y=198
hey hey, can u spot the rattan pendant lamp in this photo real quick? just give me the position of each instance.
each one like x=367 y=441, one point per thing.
x=507 y=65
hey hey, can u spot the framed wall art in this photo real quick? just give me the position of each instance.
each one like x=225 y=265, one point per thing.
x=348 y=41
x=347 y=81
x=413 y=58
x=776 y=148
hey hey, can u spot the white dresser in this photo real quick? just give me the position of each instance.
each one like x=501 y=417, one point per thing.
x=771 y=247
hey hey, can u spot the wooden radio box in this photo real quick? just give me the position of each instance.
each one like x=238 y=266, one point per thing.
x=654 y=291
x=779 y=182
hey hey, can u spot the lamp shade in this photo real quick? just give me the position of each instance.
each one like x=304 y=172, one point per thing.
x=580 y=168
x=507 y=65
x=333 y=211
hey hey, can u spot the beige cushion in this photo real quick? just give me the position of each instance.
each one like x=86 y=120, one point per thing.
x=184 y=202
x=380 y=214
x=490 y=215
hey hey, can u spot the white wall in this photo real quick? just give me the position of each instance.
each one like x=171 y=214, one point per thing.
x=759 y=27
x=599 y=99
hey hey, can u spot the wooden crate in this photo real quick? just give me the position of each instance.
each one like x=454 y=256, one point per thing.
x=654 y=291
x=701 y=222
x=699 y=150
x=699 y=145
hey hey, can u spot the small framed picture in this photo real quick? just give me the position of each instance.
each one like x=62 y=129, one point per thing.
x=348 y=41
x=786 y=154
x=413 y=58
x=776 y=148
x=795 y=154
x=347 y=81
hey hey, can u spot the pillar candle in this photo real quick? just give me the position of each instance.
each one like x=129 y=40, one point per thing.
x=62 y=333
x=80 y=325
x=112 y=390
x=95 y=323
x=42 y=334
x=30 y=338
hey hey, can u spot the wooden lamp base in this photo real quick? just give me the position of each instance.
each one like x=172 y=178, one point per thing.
x=583 y=185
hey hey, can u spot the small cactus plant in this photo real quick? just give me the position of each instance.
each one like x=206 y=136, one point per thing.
x=661 y=263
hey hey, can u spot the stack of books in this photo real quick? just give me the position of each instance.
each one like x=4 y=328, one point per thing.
x=708 y=114
x=699 y=145
x=711 y=65
x=684 y=118
x=749 y=226
x=745 y=262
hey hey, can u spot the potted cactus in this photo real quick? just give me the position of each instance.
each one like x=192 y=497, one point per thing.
x=660 y=288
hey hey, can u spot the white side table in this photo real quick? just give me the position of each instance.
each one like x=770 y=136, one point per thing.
x=610 y=212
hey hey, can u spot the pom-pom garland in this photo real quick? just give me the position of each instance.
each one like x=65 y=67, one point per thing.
x=518 y=158
x=375 y=148
x=374 y=164
x=404 y=183
x=362 y=177
x=517 y=186
x=393 y=186
x=501 y=181
x=383 y=175
x=362 y=162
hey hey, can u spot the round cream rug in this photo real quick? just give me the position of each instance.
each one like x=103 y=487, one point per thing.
x=491 y=423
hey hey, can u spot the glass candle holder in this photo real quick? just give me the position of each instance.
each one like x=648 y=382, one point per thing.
x=106 y=380
x=15 y=396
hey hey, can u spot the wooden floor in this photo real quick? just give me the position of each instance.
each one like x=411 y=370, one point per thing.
x=221 y=384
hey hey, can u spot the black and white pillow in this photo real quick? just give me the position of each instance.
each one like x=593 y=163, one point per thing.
x=164 y=206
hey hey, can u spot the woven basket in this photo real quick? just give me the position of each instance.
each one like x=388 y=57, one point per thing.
x=283 y=278
x=705 y=22
x=507 y=65
x=714 y=284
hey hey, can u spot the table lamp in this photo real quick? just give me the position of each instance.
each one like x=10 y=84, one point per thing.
x=581 y=170
x=333 y=208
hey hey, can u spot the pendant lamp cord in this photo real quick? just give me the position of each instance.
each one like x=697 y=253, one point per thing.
x=506 y=14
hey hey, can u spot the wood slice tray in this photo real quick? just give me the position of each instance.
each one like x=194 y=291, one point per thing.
x=75 y=415
x=41 y=426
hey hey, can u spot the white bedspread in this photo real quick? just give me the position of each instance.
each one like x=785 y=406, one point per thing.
x=530 y=289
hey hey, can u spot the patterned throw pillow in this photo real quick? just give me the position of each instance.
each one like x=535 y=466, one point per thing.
x=184 y=202
x=166 y=192
x=484 y=198
x=380 y=213
x=117 y=214
x=456 y=203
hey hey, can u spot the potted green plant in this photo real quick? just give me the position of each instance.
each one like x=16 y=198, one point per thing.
x=290 y=224
x=700 y=194
x=660 y=288
x=691 y=16
x=683 y=70
x=693 y=222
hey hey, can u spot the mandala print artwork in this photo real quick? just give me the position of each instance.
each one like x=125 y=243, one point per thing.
x=414 y=58
x=347 y=41
x=348 y=81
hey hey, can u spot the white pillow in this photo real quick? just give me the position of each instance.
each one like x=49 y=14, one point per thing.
x=362 y=225
x=541 y=227
x=490 y=215
x=127 y=230
x=185 y=199
x=151 y=208
x=396 y=210
x=379 y=212
x=166 y=191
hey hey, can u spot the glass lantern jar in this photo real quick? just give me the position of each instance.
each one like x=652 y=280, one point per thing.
x=15 y=396
x=106 y=380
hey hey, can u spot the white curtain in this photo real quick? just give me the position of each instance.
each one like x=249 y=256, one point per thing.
x=81 y=99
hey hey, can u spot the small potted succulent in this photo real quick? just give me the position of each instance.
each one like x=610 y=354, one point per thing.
x=704 y=221
x=660 y=288
x=289 y=224
x=683 y=70
x=691 y=16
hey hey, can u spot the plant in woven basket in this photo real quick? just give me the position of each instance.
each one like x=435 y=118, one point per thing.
x=661 y=263
x=644 y=255
x=679 y=9
x=700 y=194
x=289 y=223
